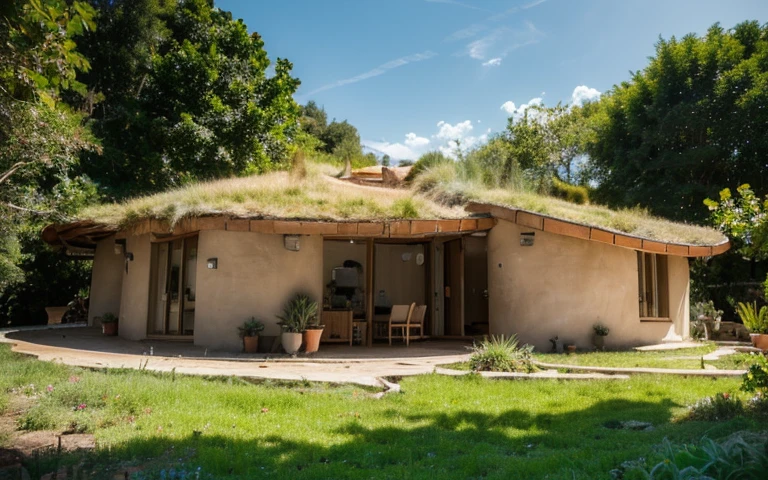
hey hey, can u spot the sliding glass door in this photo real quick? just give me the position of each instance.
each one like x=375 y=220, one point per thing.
x=172 y=290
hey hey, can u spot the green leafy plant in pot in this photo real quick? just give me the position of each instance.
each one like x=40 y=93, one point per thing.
x=297 y=315
x=109 y=324
x=249 y=332
x=601 y=331
x=756 y=321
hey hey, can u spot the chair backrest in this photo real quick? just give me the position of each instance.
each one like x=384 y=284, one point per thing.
x=417 y=317
x=401 y=313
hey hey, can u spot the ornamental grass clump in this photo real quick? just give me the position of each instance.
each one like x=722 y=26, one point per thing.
x=756 y=321
x=721 y=406
x=501 y=354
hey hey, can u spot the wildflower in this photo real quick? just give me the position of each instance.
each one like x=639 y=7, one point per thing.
x=264 y=410
x=74 y=379
x=49 y=388
x=726 y=395
x=82 y=406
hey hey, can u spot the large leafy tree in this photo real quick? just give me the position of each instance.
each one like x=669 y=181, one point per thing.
x=689 y=124
x=41 y=139
x=187 y=96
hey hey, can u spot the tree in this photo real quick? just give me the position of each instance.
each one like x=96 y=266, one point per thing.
x=41 y=139
x=339 y=133
x=187 y=96
x=313 y=119
x=385 y=160
x=687 y=125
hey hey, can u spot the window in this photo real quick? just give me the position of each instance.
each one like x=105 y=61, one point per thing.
x=653 y=295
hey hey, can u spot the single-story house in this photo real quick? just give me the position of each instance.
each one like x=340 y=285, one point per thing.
x=193 y=263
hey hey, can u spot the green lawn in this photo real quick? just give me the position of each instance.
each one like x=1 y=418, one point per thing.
x=687 y=358
x=438 y=427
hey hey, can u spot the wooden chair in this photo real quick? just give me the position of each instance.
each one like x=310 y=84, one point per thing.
x=417 y=321
x=400 y=317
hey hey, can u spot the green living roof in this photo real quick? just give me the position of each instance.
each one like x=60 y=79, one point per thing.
x=323 y=198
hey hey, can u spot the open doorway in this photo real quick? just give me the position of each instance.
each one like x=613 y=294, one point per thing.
x=460 y=287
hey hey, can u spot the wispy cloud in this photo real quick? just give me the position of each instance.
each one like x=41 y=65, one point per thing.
x=494 y=62
x=380 y=70
x=500 y=42
x=458 y=4
x=477 y=28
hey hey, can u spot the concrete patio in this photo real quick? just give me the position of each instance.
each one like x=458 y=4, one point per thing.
x=87 y=347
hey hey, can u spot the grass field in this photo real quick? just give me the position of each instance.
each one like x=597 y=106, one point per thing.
x=438 y=427
x=686 y=358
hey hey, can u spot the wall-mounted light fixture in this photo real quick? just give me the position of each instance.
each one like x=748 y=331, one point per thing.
x=120 y=246
x=128 y=258
x=291 y=242
x=213 y=263
x=526 y=239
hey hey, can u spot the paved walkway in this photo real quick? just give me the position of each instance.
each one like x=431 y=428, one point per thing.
x=86 y=347
x=369 y=366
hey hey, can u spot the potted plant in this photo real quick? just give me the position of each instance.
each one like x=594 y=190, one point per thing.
x=314 y=330
x=109 y=324
x=297 y=314
x=249 y=332
x=756 y=321
x=601 y=331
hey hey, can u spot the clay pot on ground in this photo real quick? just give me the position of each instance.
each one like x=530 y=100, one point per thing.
x=312 y=339
x=759 y=340
x=109 y=329
x=251 y=344
x=291 y=342
x=55 y=314
x=571 y=348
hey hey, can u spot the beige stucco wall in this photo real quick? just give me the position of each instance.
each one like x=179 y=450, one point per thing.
x=256 y=276
x=106 y=280
x=562 y=286
x=135 y=294
x=403 y=281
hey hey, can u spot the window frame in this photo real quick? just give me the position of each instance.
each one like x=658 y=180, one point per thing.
x=653 y=287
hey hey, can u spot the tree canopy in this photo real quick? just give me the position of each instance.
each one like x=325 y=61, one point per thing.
x=689 y=124
x=187 y=96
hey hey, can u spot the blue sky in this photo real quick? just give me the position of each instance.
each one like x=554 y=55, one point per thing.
x=412 y=75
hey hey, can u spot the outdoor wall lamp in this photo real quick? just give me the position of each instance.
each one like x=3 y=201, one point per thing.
x=213 y=263
x=526 y=239
x=128 y=258
x=291 y=242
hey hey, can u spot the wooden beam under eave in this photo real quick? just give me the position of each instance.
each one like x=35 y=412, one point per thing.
x=566 y=228
x=655 y=247
x=504 y=213
x=423 y=226
x=262 y=226
x=212 y=223
x=677 y=250
x=159 y=226
x=486 y=223
x=238 y=225
x=721 y=248
x=530 y=220
x=468 y=224
x=400 y=228
x=697 y=251
x=448 y=226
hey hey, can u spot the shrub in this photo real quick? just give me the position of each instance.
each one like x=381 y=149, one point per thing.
x=720 y=407
x=742 y=455
x=425 y=162
x=600 y=329
x=756 y=378
x=571 y=193
x=501 y=354
x=755 y=320
x=250 y=328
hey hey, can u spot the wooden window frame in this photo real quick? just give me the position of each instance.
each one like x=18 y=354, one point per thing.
x=653 y=287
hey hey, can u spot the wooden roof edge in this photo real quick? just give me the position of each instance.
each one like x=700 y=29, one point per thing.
x=570 y=228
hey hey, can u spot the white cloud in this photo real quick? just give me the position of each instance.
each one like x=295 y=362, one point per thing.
x=494 y=62
x=380 y=70
x=517 y=112
x=414 y=141
x=452 y=132
x=582 y=94
x=444 y=141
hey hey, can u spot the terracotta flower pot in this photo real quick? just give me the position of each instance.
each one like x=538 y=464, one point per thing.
x=571 y=348
x=109 y=329
x=251 y=344
x=312 y=339
x=291 y=342
x=759 y=340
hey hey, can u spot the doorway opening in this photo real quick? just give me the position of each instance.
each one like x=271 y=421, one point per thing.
x=460 y=287
x=173 y=288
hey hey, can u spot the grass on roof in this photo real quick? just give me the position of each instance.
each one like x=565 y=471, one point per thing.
x=274 y=195
x=436 y=193
x=443 y=185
